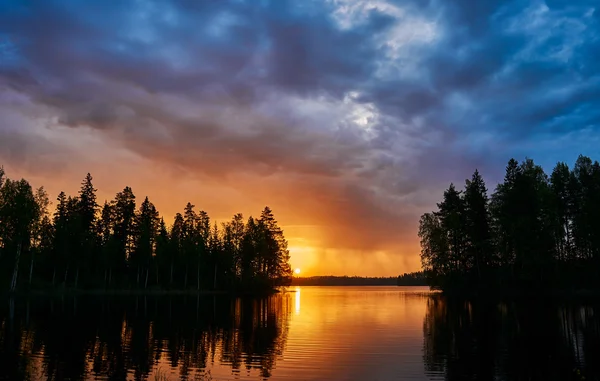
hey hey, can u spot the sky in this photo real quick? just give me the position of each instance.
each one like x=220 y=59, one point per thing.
x=347 y=117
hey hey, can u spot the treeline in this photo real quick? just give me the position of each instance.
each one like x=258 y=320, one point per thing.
x=330 y=280
x=124 y=246
x=536 y=231
x=412 y=279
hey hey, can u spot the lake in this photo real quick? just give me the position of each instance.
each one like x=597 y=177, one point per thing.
x=311 y=333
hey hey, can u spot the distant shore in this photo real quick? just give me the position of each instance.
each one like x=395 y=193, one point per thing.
x=330 y=280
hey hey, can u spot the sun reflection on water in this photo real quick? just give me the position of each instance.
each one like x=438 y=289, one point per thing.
x=297 y=300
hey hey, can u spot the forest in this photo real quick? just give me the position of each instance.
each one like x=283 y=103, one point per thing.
x=534 y=232
x=121 y=246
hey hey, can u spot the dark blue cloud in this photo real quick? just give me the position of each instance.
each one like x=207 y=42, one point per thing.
x=393 y=97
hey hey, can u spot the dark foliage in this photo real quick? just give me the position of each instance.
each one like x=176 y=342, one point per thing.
x=524 y=339
x=412 y=279
x=535 y=232
x=121 y=246
x=128 y=338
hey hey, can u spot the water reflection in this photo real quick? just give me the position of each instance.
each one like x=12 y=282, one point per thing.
x=141 y=338
x=511 y=341
x=297 y=300
x=314 y=333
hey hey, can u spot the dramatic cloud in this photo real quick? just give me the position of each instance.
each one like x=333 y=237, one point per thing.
x=348 y=117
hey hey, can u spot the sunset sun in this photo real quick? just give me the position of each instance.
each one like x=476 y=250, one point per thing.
x=297 y=271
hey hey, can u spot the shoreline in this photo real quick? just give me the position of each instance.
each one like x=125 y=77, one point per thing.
x=125 y=292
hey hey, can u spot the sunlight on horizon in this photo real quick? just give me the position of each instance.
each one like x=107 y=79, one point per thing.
x=303 y=258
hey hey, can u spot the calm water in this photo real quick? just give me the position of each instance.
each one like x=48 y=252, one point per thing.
x=315 y=333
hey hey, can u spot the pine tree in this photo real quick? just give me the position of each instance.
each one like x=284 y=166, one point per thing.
x=122 y=247
x=477 y=226
x=41 y=231
x=87 y=210
x=74 y=256
x=274 y=257
x=61 y=238
x=18 y=213
x=106 y=239
x=452 y=218
x=504 y=225
x=435 y=250
x=563 y=200
x=176 y=239
x=191 y=244
x=146 y=226
x=249 y=253
x=163 y=254
x=124 y=230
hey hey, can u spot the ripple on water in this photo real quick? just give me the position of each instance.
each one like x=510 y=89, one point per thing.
x=341 y=333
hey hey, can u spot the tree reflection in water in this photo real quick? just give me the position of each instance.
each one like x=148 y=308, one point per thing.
x=75 y=337
x=524 y=340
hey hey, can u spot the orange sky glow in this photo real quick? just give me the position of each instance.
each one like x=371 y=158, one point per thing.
x=329 y=230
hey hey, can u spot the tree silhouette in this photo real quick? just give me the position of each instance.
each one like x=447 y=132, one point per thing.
x=275 y=257
x=18 y=213
x=535 y=232
x=42 y=231
x=87 y=209
x=120 y=246
x=147 y=224
x=477 y=227
x=75 y=338
x=517 y=340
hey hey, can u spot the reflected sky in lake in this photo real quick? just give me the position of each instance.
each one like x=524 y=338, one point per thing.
x=310 y=333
